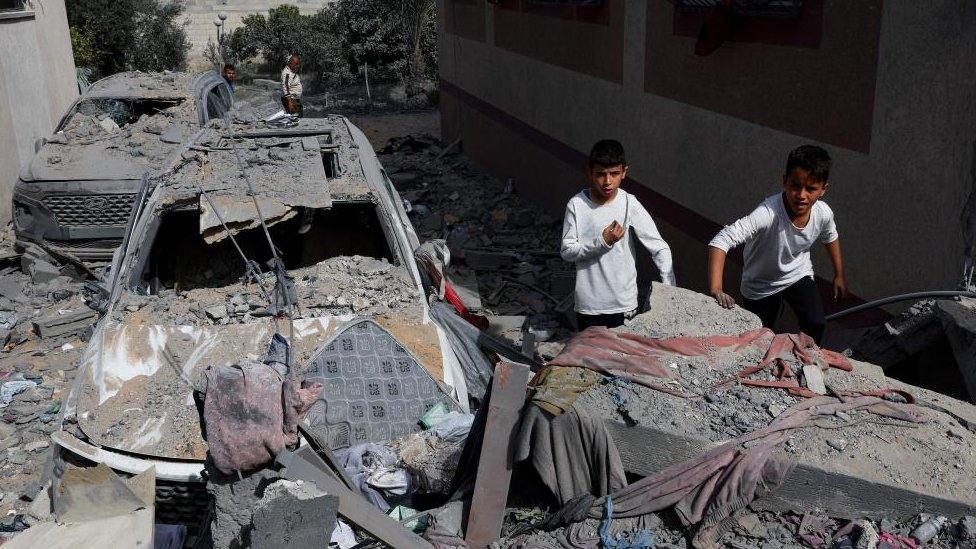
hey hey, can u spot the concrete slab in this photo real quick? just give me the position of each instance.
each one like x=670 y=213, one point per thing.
x=885 y=470
x=959 y=322
x=294 y=514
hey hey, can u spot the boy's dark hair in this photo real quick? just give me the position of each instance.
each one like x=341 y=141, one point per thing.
x=607 y=153
x=815 y=160
x=229 y=66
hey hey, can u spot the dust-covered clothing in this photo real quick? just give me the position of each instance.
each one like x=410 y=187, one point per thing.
x=606 y=276
x=291 y=83
x=777 y=252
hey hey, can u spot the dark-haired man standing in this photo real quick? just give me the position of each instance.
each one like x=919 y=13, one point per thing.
x=597 y=238
x=778 y=236
x=228 y=74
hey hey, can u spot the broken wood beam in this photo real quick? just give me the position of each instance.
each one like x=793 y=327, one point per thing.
x=491 y=486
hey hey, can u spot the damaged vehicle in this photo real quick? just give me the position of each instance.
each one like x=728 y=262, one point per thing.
x=76 y=194
x=194 y=285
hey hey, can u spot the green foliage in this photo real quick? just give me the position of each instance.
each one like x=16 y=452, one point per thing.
x=373 y=36
x=397 y=39
x=116 y=35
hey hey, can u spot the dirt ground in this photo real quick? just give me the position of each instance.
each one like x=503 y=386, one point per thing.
x=380 y=127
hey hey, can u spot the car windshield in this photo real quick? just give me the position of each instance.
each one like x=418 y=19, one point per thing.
x=120 y=112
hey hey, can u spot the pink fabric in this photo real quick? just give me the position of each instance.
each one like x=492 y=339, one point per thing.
x=251 y=414
x=644 y=359
x=706 y=490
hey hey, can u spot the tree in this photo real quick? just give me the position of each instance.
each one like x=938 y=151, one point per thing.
x=418 y=20
x=117 y=35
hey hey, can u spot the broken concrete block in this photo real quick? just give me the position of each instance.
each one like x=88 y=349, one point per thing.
x=959 y=322
x=39 y=265
x=84 y=494
x=173 y=134
x=294 y=514
x=216 y=313
x=72 y=323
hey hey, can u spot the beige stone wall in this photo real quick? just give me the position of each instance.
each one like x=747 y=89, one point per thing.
x=37 y=84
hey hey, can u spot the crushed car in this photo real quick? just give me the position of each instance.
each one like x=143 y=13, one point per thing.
x=195 y=284
x=76 y=194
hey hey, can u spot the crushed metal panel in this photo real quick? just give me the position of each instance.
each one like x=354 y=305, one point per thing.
x=375 y=390
x=137 y=393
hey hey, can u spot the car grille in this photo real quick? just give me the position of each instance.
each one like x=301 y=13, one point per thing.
x=90 y=210
x=82 y=245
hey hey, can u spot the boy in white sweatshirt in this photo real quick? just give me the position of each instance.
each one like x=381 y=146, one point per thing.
x=597 y=237
x=778 y=236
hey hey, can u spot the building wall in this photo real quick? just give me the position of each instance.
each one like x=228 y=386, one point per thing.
x=37 y=84
x=201 y=14
x=886 y=87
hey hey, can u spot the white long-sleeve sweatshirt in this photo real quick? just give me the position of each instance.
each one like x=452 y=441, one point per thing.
x=777 y=252
x=606 y=276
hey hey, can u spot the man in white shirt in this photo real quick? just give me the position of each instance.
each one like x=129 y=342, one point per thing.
x=597 y=237
x=778 y=236
x=291 y=86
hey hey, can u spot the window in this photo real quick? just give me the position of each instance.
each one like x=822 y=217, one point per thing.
x=14 y=5
x=122 y=111
x=218 y=101
x=181 y=259
x=755 y=8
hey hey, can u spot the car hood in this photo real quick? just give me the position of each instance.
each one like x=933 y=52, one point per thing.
x=135 y=391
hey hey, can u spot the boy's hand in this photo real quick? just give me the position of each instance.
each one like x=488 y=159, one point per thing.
x=613 y=233
x=840 y=287
x=724 y=299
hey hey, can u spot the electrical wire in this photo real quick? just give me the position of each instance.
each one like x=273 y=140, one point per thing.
x=902 y=297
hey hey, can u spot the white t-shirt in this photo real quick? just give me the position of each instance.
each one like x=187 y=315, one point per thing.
x=606 y=276
x=777 y=253
x=291 y=83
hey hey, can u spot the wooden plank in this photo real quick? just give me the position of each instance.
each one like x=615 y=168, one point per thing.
x=495 y=462
x=304 y=464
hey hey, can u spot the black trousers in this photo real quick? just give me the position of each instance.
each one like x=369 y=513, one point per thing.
x=610 y=321
x=805 y=301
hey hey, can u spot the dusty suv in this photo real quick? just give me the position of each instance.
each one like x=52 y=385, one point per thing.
x=76 y=194
x=185 y=294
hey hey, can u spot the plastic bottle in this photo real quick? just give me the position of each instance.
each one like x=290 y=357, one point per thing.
x=928 y=529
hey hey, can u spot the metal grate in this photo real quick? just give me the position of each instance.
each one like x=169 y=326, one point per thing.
x=755 y=8
x=101 y=244
x=91 y=210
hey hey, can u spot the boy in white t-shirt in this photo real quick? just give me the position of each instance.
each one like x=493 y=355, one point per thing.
x=597 y=238
x=778 y=236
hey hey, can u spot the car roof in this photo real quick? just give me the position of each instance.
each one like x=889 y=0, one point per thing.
x=285 y=164
x=143 y=85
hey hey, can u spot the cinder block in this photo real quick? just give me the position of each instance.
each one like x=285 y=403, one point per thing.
x=294 y=515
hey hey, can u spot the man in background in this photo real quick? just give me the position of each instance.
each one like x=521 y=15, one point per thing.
x=291 y=87
x=228 y=74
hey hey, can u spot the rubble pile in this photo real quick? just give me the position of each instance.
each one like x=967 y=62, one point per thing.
x=768 y=530
x=504 y=252
x=38 y=360
x=336 y=286
x=643 y=400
